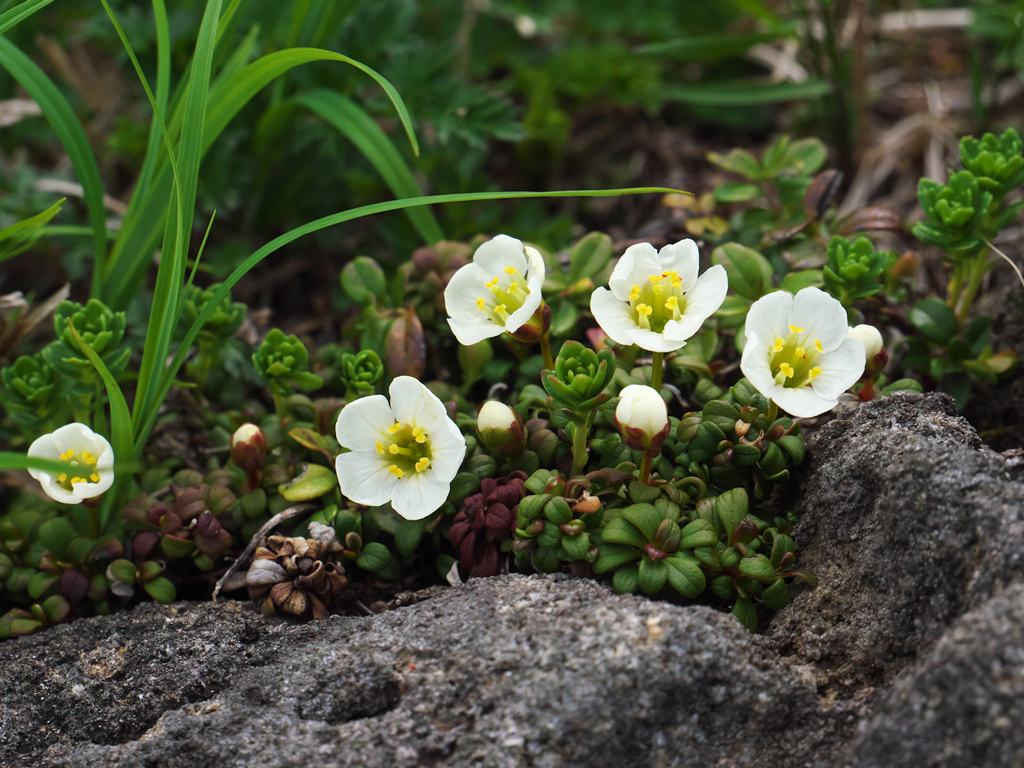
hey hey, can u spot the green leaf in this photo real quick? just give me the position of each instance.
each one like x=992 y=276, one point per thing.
x=776 y=596
x=21 y=236
x=759 y=567
x=362 y=279
x=645 y=517
x=738 y=161
x=41 y=582
x=744 y=93
x=935 y=320
x=589 y=255
x=409 y=535
x=619 y=531
x=357 y=126
x=172 y=546
x=653 y=575
x=56 y=609
x=732 y=508
x=714 y=47
x=736 y=192
x=577 y=545
x=794 y=282
x=61 y=116
x=613 y=556
x=750 y=274
x=746 y=613
x=794 y=446
x=56 y=534
x=699 y=533
x=626 y=580
x=313 y=483
x=123 y=570
x=375 y=557
x=685 y=576
x=20 y=12
x=781 y=546
x=161 y=590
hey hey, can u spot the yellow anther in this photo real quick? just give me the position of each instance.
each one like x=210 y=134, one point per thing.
x=511 y=270
x=77 y=480
x=672 y=304
x=501 y=311
x=492 y=283
x=380 y=447
x=814 y=373
x=89 y=458
x=786 y=370
x=480 y=303
x=418 y=434
x=670 y=273
x=817 y=345
x=778 y=345
x=656 y=278
x=63 y=476
x=513 y=286
x=658 y=289
x=395 y=427
x=800 y=352
x=677 y=282
x=395 y=470
x=422 y=464
x=635 y=293
x=644 y=310
x=67 y=454
x=94 y=477
x=393 y=450
x=795 y=329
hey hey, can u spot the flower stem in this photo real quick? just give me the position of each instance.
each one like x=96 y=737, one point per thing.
x=580 y=434
x=657 y=368
x=977 y=272
x=545 y=349
x=773 y=412
x=645 y=469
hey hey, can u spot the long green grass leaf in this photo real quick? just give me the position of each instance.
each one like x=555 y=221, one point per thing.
x=20 y=13
x=149 y=418
x=744 y=93
x=64 y=123
x=12 y=460
x=129 y=259
x=357 y=126
x=713 y=47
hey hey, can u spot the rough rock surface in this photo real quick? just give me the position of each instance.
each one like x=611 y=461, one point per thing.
x=909 y=652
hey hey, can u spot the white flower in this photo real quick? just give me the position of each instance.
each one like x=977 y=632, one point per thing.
x=499 y=292
x=89 y=459
x=642 y=417
x=496 y=415
x=656 y=300
x=407 y=452
x=798 y=353
x=870 y=337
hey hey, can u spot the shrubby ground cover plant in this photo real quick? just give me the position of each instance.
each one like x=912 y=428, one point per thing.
x=491 y=404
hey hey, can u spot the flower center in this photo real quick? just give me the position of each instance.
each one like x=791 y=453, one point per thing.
x=407 y=448
x=794 y=365
x=659 y=299
x=80 y=470
x=508 y=293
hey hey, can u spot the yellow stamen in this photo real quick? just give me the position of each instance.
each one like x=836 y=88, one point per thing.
x=492 y=283
x=395 y=427
x=795 y=329
x=511 y=270
x=677 y=282
x=89 y=458
x=658 y=289
x=480 y=303
x=817 y=345
x=786 y=370
x=800 y=352
x=814 y=373
x=670 y=273
x=63 y=476
x=94 y=477
x=779 y=344
x=67 y=454
x=393 y=450
x=672 y=304
x=501 y=312
x=422 y=464
x=396 y=471
x=635 y=293
x=643 y=310
x=77 y=480
x=418 y=434
x=513 y=286
x=380 y=447
x=655 y=278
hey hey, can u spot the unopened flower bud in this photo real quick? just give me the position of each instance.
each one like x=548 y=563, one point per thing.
x=248 y=450
x=642 y=418
x=501 y=429
x=874 y=349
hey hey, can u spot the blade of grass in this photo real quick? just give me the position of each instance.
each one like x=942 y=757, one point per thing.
x=195 y=268
x=129 y=259
x=12 y=460
x=744 y=93
x=20 y=12
x=149 y=418
x=357 y=126
x=62 y=119
x=712 y=47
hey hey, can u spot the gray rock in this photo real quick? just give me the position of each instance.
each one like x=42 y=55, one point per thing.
x=909 y=652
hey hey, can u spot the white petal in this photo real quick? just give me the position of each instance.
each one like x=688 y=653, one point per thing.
x=516 y=319
x=416 y=496
x=500 y=252
x=612 y=315
x=470 y=332
x=414 y=404
x=364 y=422
x=756 y=366
x=45 y=447
x=536 y=266
x=821 y=316
x=683 y=258
x=702 y=301
x=802 y=402
x=364 y=478
x=653 y=342
x=53 y=489
x=90 y=490
x=447 y=450
x=840 y=369
x=465 y=287
x=634 y=267
x=768 y=318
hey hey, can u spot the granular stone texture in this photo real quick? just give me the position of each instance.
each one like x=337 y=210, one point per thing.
x=910 y=652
